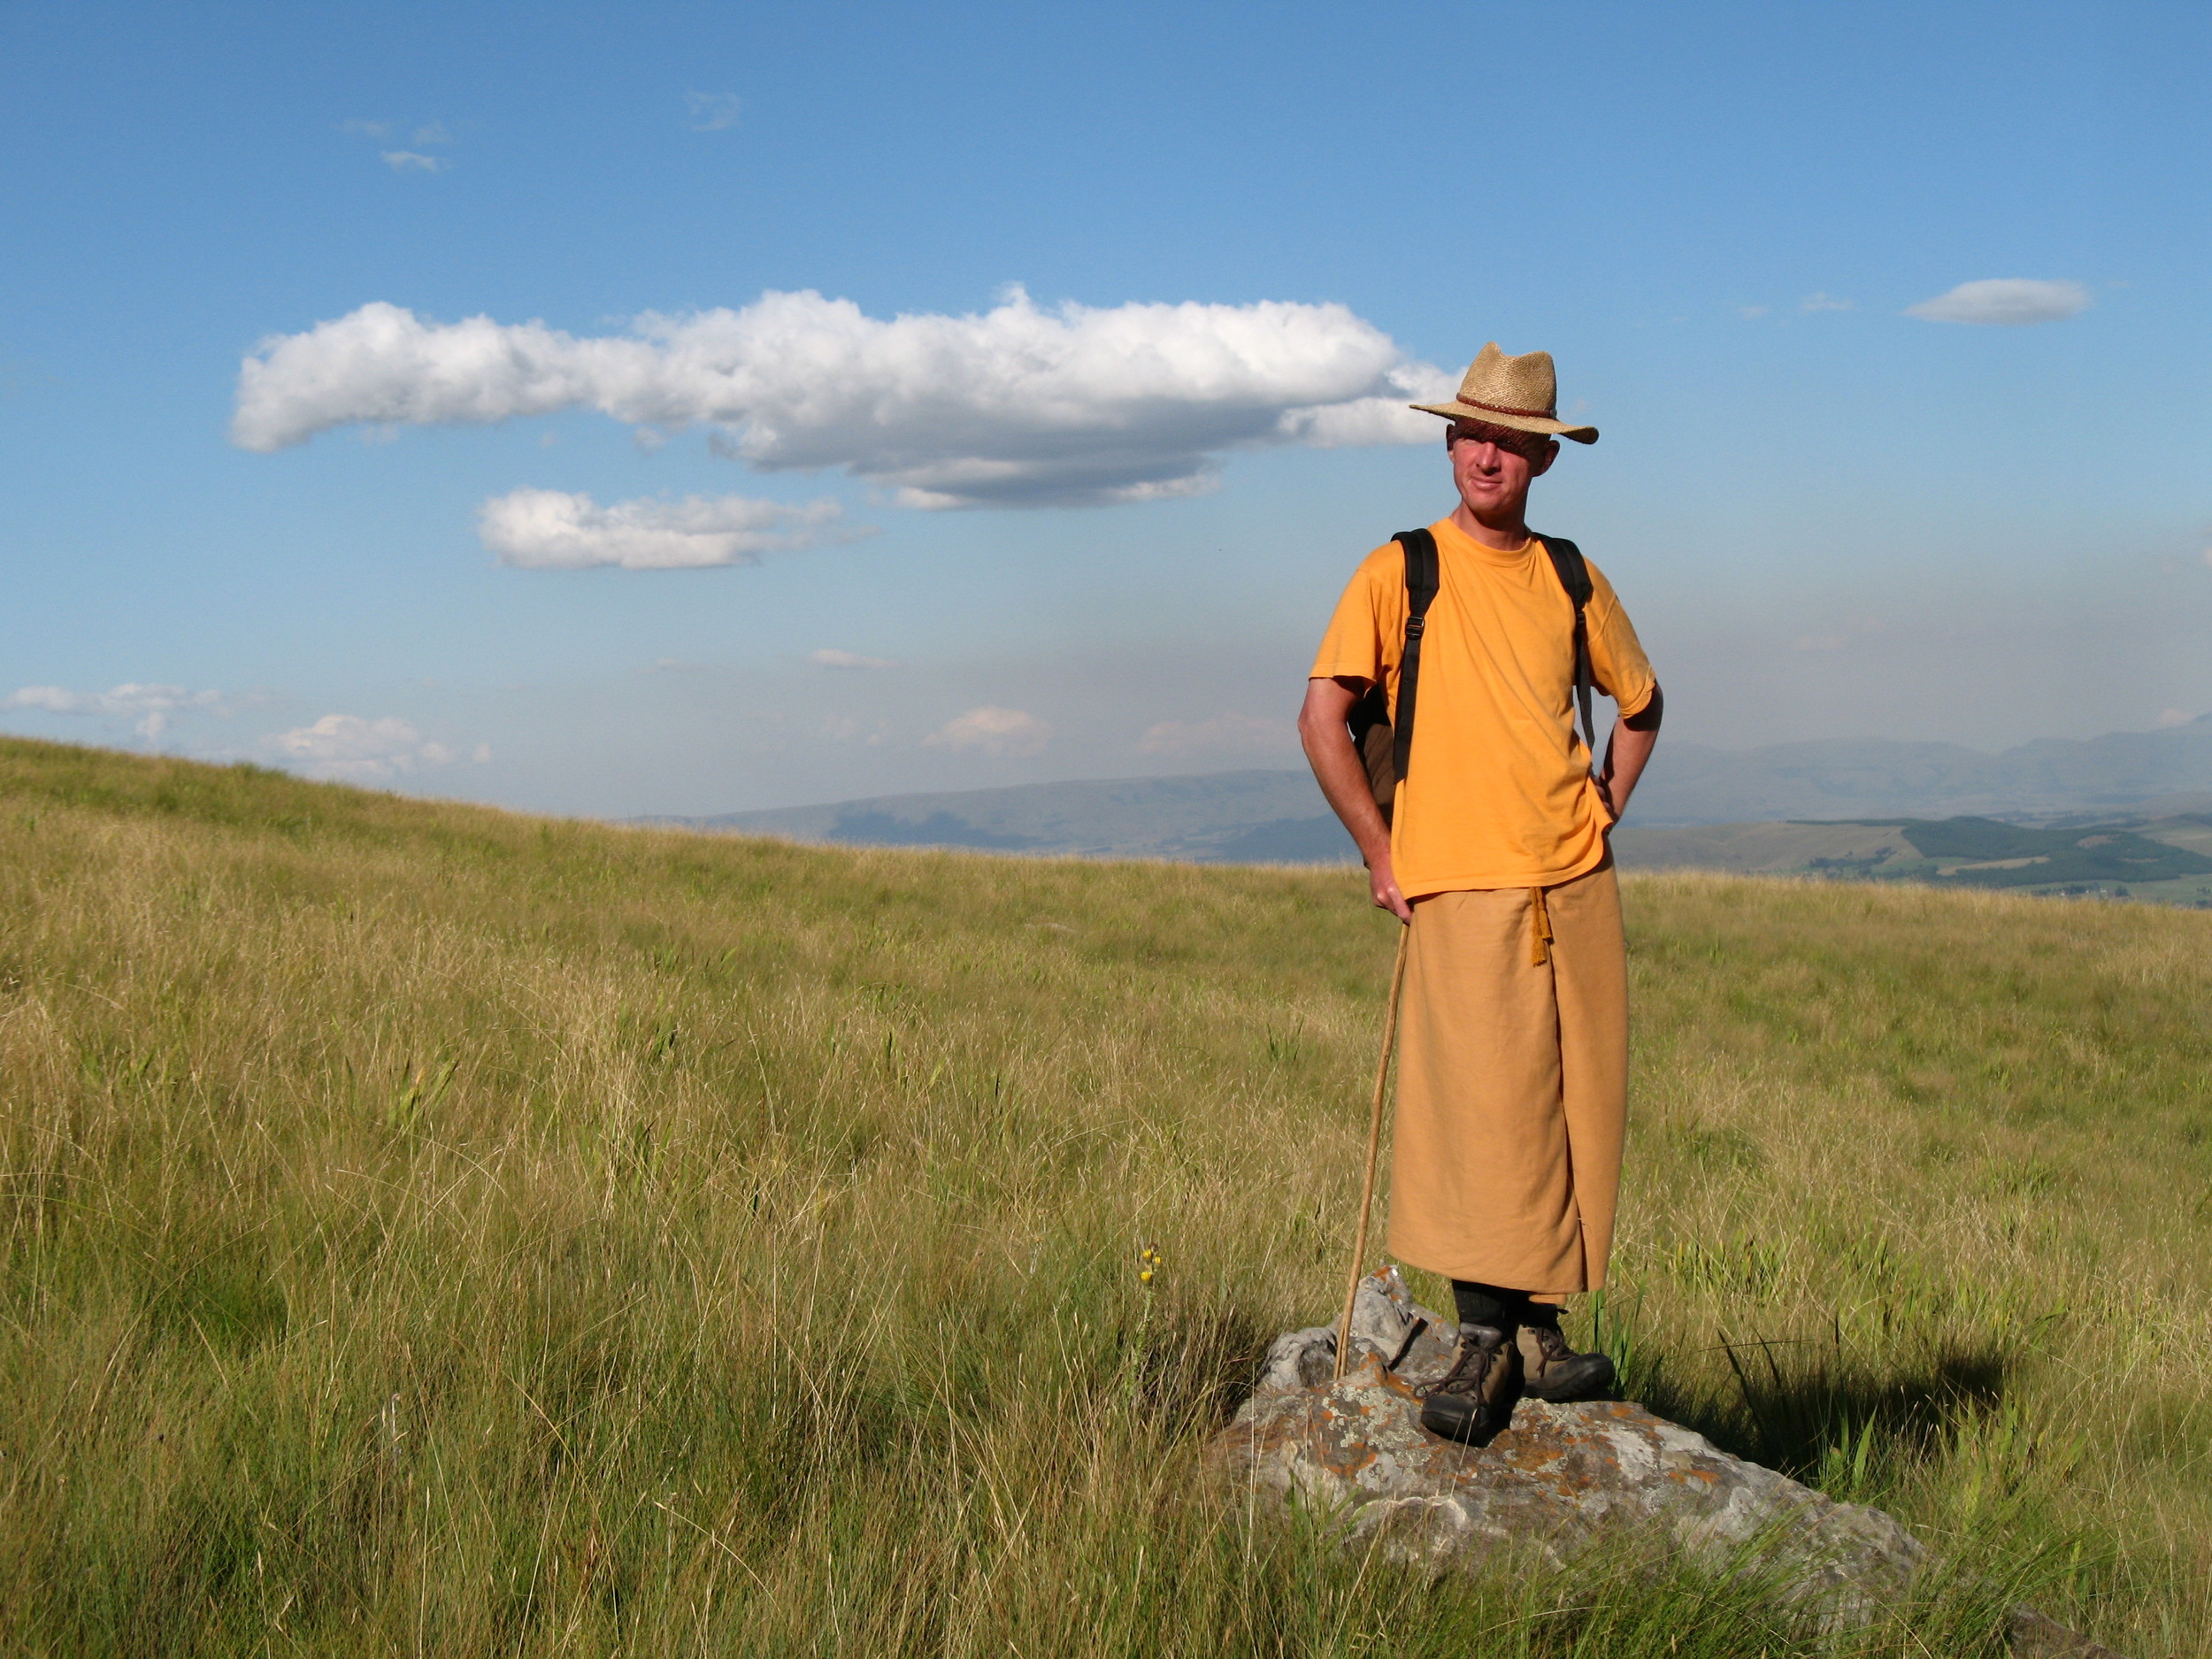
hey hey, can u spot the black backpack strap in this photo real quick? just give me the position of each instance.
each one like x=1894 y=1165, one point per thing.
x=1421 y=583
x=1574 y=576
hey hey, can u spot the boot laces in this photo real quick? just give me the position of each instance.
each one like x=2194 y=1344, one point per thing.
x=1551 y=1344
x=1469 y=1368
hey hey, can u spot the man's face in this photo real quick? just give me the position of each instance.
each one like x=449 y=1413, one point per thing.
x=1492 y=465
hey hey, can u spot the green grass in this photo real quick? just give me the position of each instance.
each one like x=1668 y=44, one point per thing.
x=434 y=1230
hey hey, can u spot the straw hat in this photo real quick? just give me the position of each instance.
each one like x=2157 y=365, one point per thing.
x=1521 y=392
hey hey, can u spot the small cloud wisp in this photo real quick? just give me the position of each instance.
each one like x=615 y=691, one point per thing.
x=561 y=530
x=2011 y=301
x=1222 y=733
x=998 y=733
x=346 y=749
x=711 y=112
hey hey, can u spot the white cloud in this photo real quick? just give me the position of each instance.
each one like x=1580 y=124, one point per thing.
x=831 y=657
x=434 y=133
x=151 y=708
x=553 y=529
x=414 y=161
x=347 y=747
x=1751 y=314
x=367 y=129
x=2208 y=556
x=1825 y=302
x=996 y=731
x=711 y=112
x=2172 y=717
x=1015 y=406
x=1231 y=733
x=1364 y=422
x=2014 y=300
x=1819 y=643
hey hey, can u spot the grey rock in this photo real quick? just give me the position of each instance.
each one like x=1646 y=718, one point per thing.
x=1383 y=1313
x=1298 y=1359
x=1558 y=1480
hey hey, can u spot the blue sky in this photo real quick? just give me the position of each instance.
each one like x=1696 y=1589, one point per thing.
x=1094 y=531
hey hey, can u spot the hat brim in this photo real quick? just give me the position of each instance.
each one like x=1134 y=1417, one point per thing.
x=1519 y=422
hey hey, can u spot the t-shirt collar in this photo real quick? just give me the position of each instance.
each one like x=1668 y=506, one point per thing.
x=1447 y=532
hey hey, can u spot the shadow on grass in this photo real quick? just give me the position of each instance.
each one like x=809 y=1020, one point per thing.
x=1196 y=1368
x=1820 y=1415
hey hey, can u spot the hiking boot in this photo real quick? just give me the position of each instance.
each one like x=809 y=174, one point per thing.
x=1556 y=1372
x=1474 y=1399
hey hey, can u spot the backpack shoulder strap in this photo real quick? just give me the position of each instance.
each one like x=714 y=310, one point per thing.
x=1574 y=575
x=1421 y=584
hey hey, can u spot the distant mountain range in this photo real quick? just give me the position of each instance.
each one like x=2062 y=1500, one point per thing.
x=1215 y=817
x=2165 y=856
x=2052 y=776
x=1280 y=817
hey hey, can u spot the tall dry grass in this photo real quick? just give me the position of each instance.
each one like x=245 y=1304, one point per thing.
x=434 y=1230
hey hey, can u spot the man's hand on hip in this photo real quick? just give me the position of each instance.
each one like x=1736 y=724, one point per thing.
x=1382 y=883
x=1625 y=755
x=1343 y=780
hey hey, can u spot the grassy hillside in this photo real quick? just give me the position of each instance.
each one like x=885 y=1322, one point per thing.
x=439 y=1231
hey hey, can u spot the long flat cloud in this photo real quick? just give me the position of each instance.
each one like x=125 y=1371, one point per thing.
x=151 y=708
x=2008 y=300
x=1015 y=406
x=553 y=529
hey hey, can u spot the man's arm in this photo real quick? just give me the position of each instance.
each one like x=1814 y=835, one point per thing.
x=1343 y=780
x=1626 y=751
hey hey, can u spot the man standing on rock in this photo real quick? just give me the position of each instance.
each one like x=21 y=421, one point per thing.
x=1512 y=1084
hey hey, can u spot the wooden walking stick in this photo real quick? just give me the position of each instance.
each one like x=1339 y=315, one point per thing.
x=1374 y=1144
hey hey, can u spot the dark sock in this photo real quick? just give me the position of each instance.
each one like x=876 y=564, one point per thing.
x=1489 y=1304
x=1544 y=1313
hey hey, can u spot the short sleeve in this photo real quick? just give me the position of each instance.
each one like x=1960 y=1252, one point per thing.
x=1617 y=662
x=1358 y=643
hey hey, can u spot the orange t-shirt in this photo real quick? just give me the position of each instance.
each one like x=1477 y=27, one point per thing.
x=1498 y=791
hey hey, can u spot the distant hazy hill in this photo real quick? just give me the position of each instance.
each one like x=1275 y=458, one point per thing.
x=1279 y=816
x=1223 y=817
x=2167 y=858
x=1694 y=785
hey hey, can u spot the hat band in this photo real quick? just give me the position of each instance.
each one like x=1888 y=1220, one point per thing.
x=1502 y=408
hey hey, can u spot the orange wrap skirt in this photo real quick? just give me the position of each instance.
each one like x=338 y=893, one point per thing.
x=1513 y=1086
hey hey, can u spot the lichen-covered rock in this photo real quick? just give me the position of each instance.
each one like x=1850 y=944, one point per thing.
x=1557 y=1480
